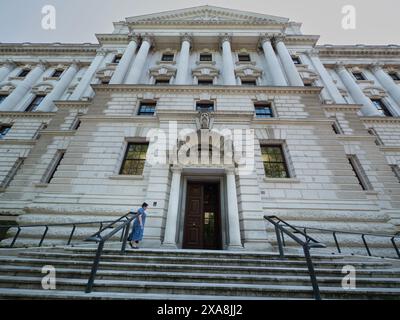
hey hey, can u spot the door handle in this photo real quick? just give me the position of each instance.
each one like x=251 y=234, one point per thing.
x=193 y=225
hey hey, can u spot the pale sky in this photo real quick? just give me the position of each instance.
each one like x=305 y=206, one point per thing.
x=78 y=20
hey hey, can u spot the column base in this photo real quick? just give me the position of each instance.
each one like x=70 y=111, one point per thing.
x=169 y=246
x=235 y=248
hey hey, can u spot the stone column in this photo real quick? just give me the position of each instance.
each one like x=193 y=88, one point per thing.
x=125 y=62
x=355 y=91
x=183 y=63
x=233 y=212
x=48 y=102
x=387 y=82
x=23 y=87
x=287 y=62
x=135 y=72
x=5 y=69
x=326 y=78
x=228 y=67
x=274 y=68
x=170 y=233
x=88 y=76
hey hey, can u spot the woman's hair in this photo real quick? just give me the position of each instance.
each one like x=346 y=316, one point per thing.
x=144 y=204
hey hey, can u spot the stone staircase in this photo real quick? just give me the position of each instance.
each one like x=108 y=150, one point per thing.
x=191 y=274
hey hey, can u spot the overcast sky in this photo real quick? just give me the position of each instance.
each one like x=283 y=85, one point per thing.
x=78 y=20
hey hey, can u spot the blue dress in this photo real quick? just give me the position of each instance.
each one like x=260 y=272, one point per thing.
x=137 y=230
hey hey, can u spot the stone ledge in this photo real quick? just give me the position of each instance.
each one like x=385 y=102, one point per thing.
x=282 y=180
x=126 y=177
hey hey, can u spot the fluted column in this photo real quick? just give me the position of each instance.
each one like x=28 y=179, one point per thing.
x=183 y=63
x=228 y=71
x=135 y=72
x=170 y=233
x=387 y=82
x=5 y=69
x=235 y=242
x=23 y=87
x=48 y=102
x=355 y=91
x=88 y=76
x=326 y=78
x=274 y=68
x=125 y=62
x=287 y=62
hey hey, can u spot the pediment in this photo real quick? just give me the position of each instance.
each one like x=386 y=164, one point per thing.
x=206 y=15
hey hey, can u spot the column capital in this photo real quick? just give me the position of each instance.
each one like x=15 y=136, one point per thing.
x=376 y=66
x=230 y=170
x=101 y=52
x=225 y=37
x=278 y=37
x=8 y=62
x=148 y=38
x=340 y=66
x=313 y=52
x=187 y=37
x=132 y=36
x=43 y=64
x=176 y=169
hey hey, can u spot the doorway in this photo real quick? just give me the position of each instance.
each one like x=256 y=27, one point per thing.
x=202 y=223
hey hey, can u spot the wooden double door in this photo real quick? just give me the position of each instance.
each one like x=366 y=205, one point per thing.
x=202 y=226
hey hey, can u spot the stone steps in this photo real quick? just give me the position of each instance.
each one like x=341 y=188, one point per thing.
x=173 y=274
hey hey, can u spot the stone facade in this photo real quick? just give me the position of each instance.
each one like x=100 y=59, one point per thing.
x=310 y=88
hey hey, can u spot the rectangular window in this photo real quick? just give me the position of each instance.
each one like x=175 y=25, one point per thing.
x=167 y=57
x=337 y=129
x=378 y=140
x=359 y=76
x=206 y=106
x=274 y=161
x=395 y=76
x=161 y=82
x=35 y=103
x=135 y=158
x=380 y=105
x=53 y=167
x=263 y=110
x=244 y=57
x=205 y=82
x=308 y=84
x=2 y=97
x=4 y=130
x=396 y=170
x=296 y=60
x=117 y=58
x=359 y=172
x=11 y=174
x=205 y=57
x=249 y=82
x=147 y=108
x=105 y=81
x=57 y=73
x=24 y=73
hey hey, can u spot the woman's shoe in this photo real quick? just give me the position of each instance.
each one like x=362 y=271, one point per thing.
x=130 y=243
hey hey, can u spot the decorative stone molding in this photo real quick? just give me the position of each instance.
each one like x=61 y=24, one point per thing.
x=42 y=88
x=105 y=74
x=374 y=92
x=248 y=72
x=6 y=88
x=205 y=72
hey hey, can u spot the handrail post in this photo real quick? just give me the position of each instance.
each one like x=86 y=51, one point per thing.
x=70 y=236
x=314 y=282
x=395 y=246
x=279 y=240
x=365 y=244
x=95 y=266
x=124 y=240
x=43 y=236
x=15 y=237
x=336 y=242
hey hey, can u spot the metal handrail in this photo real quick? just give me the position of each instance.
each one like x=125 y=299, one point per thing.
x=281 y=228
x=363 y=236
x=98 y=237
x=48 y=226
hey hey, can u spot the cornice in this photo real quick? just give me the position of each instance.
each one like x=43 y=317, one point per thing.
x=359 y=51
x=48 y=48
x=395 y=120
x=18 y=141
x=58 y=132
x=350 y=137
x=342 y=107
x=72 y=103
x=288 y=121
x=209 y=89
x=113 y=38
x=122 y=118
x=37 y=114
x=390 y=148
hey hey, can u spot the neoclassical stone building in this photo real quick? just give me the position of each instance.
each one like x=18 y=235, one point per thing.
x=323 y=122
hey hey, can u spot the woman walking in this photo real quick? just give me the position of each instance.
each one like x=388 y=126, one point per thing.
x=138 y=227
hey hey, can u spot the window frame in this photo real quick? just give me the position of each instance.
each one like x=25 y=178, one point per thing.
x=381 y=106
x=205 y=54
x=53 y=166
x=12 y=173
x=296 y=60
x=124 y=159
x=285 y=161
x=210 y=82
x=258 y=105
x=57 y=71
x=2 y=127
x=3 y=97
x=167 y=55
x=394 y=75
x=246 y=82
x=359 y=172
x=23 y=73
x=241 y=55
x=396 y=170
x=163 y=82
x=32 y=107
x=146 y=103
x=204 y=102
x=355 y=73
x=117 y=58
